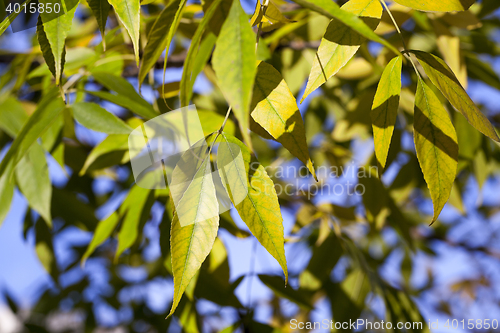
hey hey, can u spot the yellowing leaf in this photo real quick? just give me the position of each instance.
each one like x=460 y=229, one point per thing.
x=443 y=78
x=128 y=11
x=160 y=36
x=273 y=14
x=438 y=5
x=260 y=209
x=385 y=108
x=196 y=217
x=52 y=30
x=234 y=62
x=198 y=54
x=275 y=109
x=32 y=177
x=100 y=9
x=436 y=145
x=102 y=232
x=340 y=43
x=331 y=9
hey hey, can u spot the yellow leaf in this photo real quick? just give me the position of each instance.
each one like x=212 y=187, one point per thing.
x=385 y=108
x=273 y=14
x=340 y=43
x=437 y=5
x=436 y=145
x=275 y=109
x=443 y=78
x=449 y=46
x=260 y=209
x=196 y=217
x=257 y=14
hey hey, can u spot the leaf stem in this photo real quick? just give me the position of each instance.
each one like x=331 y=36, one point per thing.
x=219 y=132
x=405 y=52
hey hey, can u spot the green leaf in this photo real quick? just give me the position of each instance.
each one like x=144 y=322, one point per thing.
x=385 y=108
x=234 y=62
x=100 y=9
x=436 y=145
x=96 y=118
x=260 y=209
x=101 y=233
x=341 y=42
x=129 y=14
x=197 y=55
x=138 y=206
x=437 y=6
x=127 y=96
x=48 y=109
x=275 y=109
x=274 y=15
x=52 y=30
x=331 y=9
x=196 y=217
x=160 y=36
x=443 y=78
x=12 y=116
x=32 y=178
x=6 y=22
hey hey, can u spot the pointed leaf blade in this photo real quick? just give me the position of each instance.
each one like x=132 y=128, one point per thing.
x=128 y=12
x=275 y=109
x=341 y=42
x=436 y=145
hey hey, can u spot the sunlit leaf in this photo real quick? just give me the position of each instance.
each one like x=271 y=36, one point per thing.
x=385 y=108
x=234 y=62
x=160 y=36
x=198 y=54
x=32 y=178
x=100 y=9
x=52 y=30
x=260 y=209
x=275 y=109
x=437 y=6
x=443 y=78
x=341 y=42
x=436 y=145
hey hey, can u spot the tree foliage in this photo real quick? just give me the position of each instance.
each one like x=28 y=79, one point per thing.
x=307 y=79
